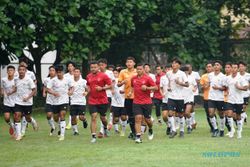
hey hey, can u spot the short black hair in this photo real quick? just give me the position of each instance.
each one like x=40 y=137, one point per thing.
x=210 y=62
x=111 y=66
x=140 y=64
x=102 y=60
x=78 y=68
x=168 y=66
x=11 y=67
x=130 y=58
x=158 y=66
x=22 y=66
x=229 y=63
x=70 y=62
x=59 y=68
x=242 y=63
x=177 y=60
x=184 y=68
x=51 y=67
x=219 y=62
x=93 y=62
x=234 y=63
x=146 y=64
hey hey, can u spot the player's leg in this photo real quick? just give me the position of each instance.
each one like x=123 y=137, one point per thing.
x=238 y=108
x=17 y=120
x=165 y=117
x=82 y=116
x=192 y=113
x=229 y=114
x=188 y=109
x=158 y=103
x=56 y=118
x=138 y=120
x=116 y=118
x=244 y=114
x=7 y=117
x=205 y=105
x=221 y=113
x=49 y=115
x=180 y=110
x=211 y=111
x=74 y=113
x=147 y=110
x=102 y=109
x=28 y=112
x=123 y=121
x=93 y=124
x=62 y=114
x=131 y=118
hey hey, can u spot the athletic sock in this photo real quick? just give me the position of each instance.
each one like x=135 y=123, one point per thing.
x=69 y=120
x=18 y=128
x=75 y=129
x=23 y=125
x=193 y=118
x=116 y=127
x=102 y=128
x=222 y=123
x=177 y=121
x=230 y=123
x=189 y=125
x=143 y=128
x=213 y=122
x=93 y=135
x=51 y=123
x=124 y=123
x=239 y=125
x=111 y=118
x=172 y=123
x=182 y=124
x=62 y=127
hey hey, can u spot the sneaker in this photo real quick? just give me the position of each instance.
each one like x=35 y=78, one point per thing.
x=11 y=131
x=231 y=134
x=245 y=121
x=159 y=122
x=189 y=130
x=93 y=140
x=59 y=133
x=172 y=134
x=181 y=134
x=61 y=138
x=239 y=136
x=76 y=134
x=194 y=125
x=228 y=133
x=221 y=133
x=68 y=127
x=150 y=135
x=168 y=131
x=138 y=140
x=215 y=133
x=51 y=131
x=100 y=135
x=35 y=126
x=122 y=134
x=18 y=138
x=131 y=136
x=117 y=132
x=85 y=124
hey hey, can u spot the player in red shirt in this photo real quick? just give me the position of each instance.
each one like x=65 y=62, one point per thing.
x=142 y=85
x=157 y=98
x=98 y=82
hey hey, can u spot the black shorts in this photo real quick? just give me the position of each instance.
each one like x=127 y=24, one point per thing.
x=49 y=108
x=143 y=109
x=176 y=105
x=58 y=108
x=8 y=109
x=216 y=105
x=99 y=108
x=118 y=111
x=77 y=110
x=25 y=110
x=246 y=100
x=236 y=108
x=157 y=101
x=165 y=107
x=129 y=107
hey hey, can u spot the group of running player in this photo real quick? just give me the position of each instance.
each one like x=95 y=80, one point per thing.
x=129 y=93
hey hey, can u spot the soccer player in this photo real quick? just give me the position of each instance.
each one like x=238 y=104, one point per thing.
x=49 y=99
x=70 y=76
x=204 y=82
x=177 y=81
x=142 y=85
x=236 y=86
x=8 y=92
x=60 y=87
x=189 y=97
x=246 y=76
x=125 y=79
x=197 y=78
x=25 y=90
x=164 y=86
x=157 y=97
x=216 y=98
x=117 y=105
x=103 y=68
x=98 y=82
x=78 y=101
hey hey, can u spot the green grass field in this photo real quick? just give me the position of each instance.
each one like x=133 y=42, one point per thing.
x=38 y=149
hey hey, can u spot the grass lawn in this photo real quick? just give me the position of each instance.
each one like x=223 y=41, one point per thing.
x=38 y=149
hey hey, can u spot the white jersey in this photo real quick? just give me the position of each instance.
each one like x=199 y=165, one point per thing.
x=164 y=84
x=7 y=87
x=79 y=87
x=110 y=74
x=246 y=76
x=216 y=80
x=49 y=98
x=177 y=91
x=188 y=91
x=196 y=76
x=68 y=76
x=62 y=88
x=118 y=99
x=235 y=96
x=24 y=88
x=152 y=76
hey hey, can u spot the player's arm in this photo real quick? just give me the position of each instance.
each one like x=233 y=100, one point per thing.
x=71 y=90
x=121 y=80
x=44 y=91
x=244 y=86
x=184 y=84
x=33 y=92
